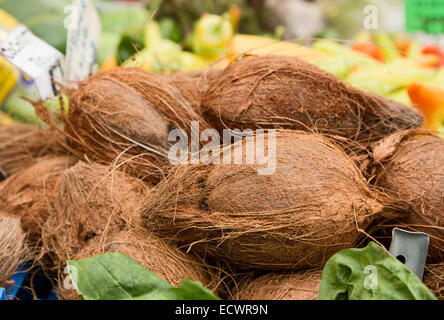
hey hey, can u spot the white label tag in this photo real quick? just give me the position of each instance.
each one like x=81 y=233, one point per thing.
x=84 y=30
x=35 y=58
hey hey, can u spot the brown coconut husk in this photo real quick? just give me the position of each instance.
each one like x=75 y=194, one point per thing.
x=434 y=279
x=23 y=145
x=30 y=193
x=193 y=85
x=302 y=285
x=410 y=164
x=284 y=92
x=92 y=201
x=315 y=204
x=153 y=253
x=124 y=116
x=14 y=250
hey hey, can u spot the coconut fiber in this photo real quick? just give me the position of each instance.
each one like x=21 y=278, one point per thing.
x=29 y=194
x=158 y=256
x=13 y=248
x=22 y=145
x=410 y=164
x=124 y=116
x=285 y=92
x=302 y=285
x=193 y=85
x=92 y=200
x=434 y=279
x=310 y=208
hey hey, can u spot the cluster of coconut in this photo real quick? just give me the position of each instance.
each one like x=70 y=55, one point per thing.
x=100 y=178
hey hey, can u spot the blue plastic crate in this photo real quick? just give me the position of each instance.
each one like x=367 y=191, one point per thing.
x=22 y=280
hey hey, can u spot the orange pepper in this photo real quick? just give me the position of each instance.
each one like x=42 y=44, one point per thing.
x=109 y=63
x=430 y=100
x=433 y=49
x=369 y=49
x=403 y=44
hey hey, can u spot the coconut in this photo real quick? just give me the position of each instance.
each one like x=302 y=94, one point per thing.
x=410 y=165
x=193 y=85
x=14 y=250
x=434 y=279
x=92 y=201
x=285 y=92
x=153 y=253
x=314 y=205
x=124 y=116
x=23 y=145
x=302 y=285
x=29 y=194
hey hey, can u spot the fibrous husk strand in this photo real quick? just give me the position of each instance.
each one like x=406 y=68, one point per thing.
x=434 y=279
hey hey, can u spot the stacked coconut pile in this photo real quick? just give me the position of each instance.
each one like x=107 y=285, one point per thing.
x=345 y=163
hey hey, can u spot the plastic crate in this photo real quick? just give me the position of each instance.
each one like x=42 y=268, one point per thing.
x=23 y=280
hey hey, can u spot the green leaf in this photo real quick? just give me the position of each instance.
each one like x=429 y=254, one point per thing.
x=189 y=290
x=114 y=276
x=170 y=30
x=109 y=45
x=120 y=21
x=370 y=274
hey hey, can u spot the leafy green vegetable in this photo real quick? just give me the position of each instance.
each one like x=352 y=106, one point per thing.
x=130 y=44
x=109 y=45
x=170 y=30
x=46 y=18
x=114 y=276
x=120 y=21
x=370 y=274
x=189 y=290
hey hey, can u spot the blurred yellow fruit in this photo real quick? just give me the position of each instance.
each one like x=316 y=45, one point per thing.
x=109 y=63
x=5 y=120
x=257 y=45
x=7 y=20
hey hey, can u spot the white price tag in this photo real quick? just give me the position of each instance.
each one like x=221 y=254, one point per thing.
x=84 y=30
x=35 y=58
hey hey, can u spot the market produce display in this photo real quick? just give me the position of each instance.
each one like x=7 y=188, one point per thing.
x=296 y=162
